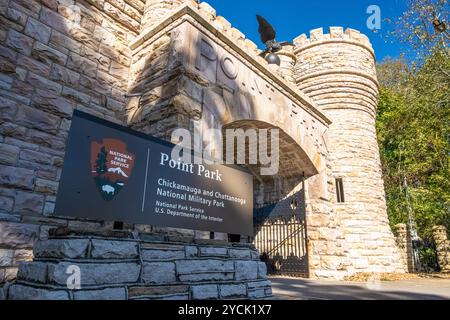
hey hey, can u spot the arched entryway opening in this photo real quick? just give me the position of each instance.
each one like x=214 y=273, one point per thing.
x=279 y=199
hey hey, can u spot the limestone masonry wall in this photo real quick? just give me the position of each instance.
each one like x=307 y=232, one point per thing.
x=56 y=55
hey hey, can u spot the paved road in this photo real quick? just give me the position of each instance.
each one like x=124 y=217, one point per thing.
x=423 y=289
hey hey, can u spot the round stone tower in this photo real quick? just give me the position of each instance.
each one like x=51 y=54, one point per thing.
x=337 y=70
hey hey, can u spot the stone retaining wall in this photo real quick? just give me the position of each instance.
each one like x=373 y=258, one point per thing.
x=120 y=269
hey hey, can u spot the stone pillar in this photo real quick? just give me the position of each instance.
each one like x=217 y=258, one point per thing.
x=404 y=243
x=157 y=10
x=442 y=247
x=337 y=70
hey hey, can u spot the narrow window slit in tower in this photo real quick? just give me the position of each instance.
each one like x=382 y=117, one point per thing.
x=340 y=190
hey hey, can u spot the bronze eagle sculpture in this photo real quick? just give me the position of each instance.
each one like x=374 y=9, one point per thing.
x=268 y=35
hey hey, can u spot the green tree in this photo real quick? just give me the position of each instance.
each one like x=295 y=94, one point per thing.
x=424 y=26
x=413 y=132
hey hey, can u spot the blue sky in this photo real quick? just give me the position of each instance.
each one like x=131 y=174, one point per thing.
x=292 y=18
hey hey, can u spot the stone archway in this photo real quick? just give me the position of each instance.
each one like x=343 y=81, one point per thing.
x=280 y=210
x=293 y=162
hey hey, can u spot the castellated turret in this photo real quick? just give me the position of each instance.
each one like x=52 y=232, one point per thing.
x=156 y=10
x=337 y=70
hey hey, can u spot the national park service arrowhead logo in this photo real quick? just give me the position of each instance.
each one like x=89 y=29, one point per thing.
x=111 y=166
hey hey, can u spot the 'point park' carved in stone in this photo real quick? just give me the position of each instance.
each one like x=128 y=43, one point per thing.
x=156 y=66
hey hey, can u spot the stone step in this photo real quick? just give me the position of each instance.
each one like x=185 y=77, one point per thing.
x=77 y=248
x=64 y=232
x=219 y=290
x=163 y=272
x=122 y=268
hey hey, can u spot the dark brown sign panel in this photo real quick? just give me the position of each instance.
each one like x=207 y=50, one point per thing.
x=113 y=173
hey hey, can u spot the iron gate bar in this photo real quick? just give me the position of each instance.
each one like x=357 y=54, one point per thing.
x=281 y=235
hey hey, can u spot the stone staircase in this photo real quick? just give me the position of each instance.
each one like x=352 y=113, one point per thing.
x=117 y=266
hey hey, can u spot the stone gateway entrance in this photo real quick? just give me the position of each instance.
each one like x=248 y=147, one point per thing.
x=156 y=66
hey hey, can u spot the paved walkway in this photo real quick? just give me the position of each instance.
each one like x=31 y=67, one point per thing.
x=422 y=289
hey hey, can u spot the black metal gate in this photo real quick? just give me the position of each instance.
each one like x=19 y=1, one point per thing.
x=281 y=236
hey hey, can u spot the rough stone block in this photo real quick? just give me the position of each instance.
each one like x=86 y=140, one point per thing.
x=233 y=290
x=206 y=276
x=16 y=177
x=255 y=255
x=22 y=292
x=6 y=204
x=64 y=75
x=191 y=251
x=33 y=271
x=8 y=129
x=213 y=251
x=106 y=249
x=75 y=95
x=6 y=257
x=8 y=154
x=175 y=297
x=83 y=65
x=53 y=142
x=262 y=270
x=55 y=20
x=162 y=254
x=159 y=272
x=246 y=270
x=18 y=235
x=259 y=284
x=43 y=83
x=35 y=156
x=105 y=294
x=202 y=292
x=37 y=30
x=257 y=293
x=9 y=217
x=21 y=255
x=10 y=274
x=96 y=273
x=33 y=65
x=61 y=248
x=47 y=55
x=7 y=109
x=151 y=291
x=19 y=42
x=240 y=253
x=37 y=119
x=29 y=203
x=207 y=265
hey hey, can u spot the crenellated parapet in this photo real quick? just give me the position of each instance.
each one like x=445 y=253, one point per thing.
x=337 y=69
x=335 y=35
x=161 y=12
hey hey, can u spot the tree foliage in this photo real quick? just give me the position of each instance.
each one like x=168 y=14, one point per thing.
x=413 y=132
x=424 y=26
